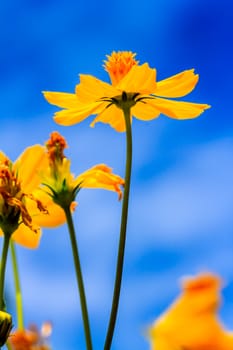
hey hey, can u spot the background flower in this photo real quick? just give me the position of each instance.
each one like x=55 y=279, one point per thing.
x=192 y=321
x=180 y=218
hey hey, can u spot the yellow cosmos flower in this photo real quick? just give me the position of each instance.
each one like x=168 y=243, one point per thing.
x=132 y=84
x=62 y=186
x=18 y=205
x=192 y=322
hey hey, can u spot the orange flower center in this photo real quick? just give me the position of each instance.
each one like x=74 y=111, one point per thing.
x=12 y=203
x=118 y=64
x=9 y=184
x=55 y=146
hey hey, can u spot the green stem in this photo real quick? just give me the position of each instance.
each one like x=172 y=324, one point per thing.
x=79 y=278
x=121 y=247
x=18 y=293
x=8 y=345
x=6 y=240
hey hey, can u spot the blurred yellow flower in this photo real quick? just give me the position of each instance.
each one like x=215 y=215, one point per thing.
x=62 y=186
x=20 y=202
x=191 y=322
x=132 y=84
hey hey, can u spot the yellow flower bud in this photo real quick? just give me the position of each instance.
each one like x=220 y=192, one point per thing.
x=5 y=326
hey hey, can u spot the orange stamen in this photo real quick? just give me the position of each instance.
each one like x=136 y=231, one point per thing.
x=12 y=198
x=118 y=64
x=55 y=146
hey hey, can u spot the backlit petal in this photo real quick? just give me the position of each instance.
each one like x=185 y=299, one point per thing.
x=26 y=237
x=3 y=157
x=144 y=111
x=177 y=85
x=140 y=79
x=191 y=322
x=28 y=166
x=55 y=216
x=100 y=176
x=178 y=109
x=113 y=116
x=92 y=89
x=72 y=116
x=162 y=343
x=61 y=99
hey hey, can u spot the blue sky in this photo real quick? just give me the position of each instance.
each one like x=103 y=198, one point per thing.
x=180 y=214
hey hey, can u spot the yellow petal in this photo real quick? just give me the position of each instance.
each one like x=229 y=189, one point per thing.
x=100 y=176
x=28 y=166
x=26 y=237
x=61 y=99
x=113 y=116
x=3 y=157
x=191 y=321
x=144 y=111
x=178 y=109
x=73 y=116
x=92 y=89
x=162 y=343
x=55 y=216
x=204 y=291
x=177 y=85
x=140 y=79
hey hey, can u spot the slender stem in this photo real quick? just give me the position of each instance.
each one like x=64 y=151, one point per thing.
x=6 y=241
x=79 y=278
x=18 y=292
x=8 y=345
x=122 y=240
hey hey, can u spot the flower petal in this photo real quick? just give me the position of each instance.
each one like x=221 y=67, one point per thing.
x=73 y=116
x=55 y=216
x=26 y=237
x=100 y=176
x=159 y=342
x=145 y=111
x=92 y=89
x=140 y=79
x=61 y=99
x=28 y=165
x=178 y=109
x=196 y=307
x=3 y=157
x=113 y=116
x=177 y=85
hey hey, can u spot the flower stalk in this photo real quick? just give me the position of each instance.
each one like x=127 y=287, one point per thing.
x=6 y=241
x=123 y=229
x=79 y=277
x=18 y=292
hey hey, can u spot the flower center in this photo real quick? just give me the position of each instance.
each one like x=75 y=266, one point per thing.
x=12 y=200
x=118 y=64
x=55 y=147
x=9 y=184
x=10 y=197
x=57 y=177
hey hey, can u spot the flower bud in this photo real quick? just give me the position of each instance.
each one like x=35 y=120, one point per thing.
x=5 y=326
